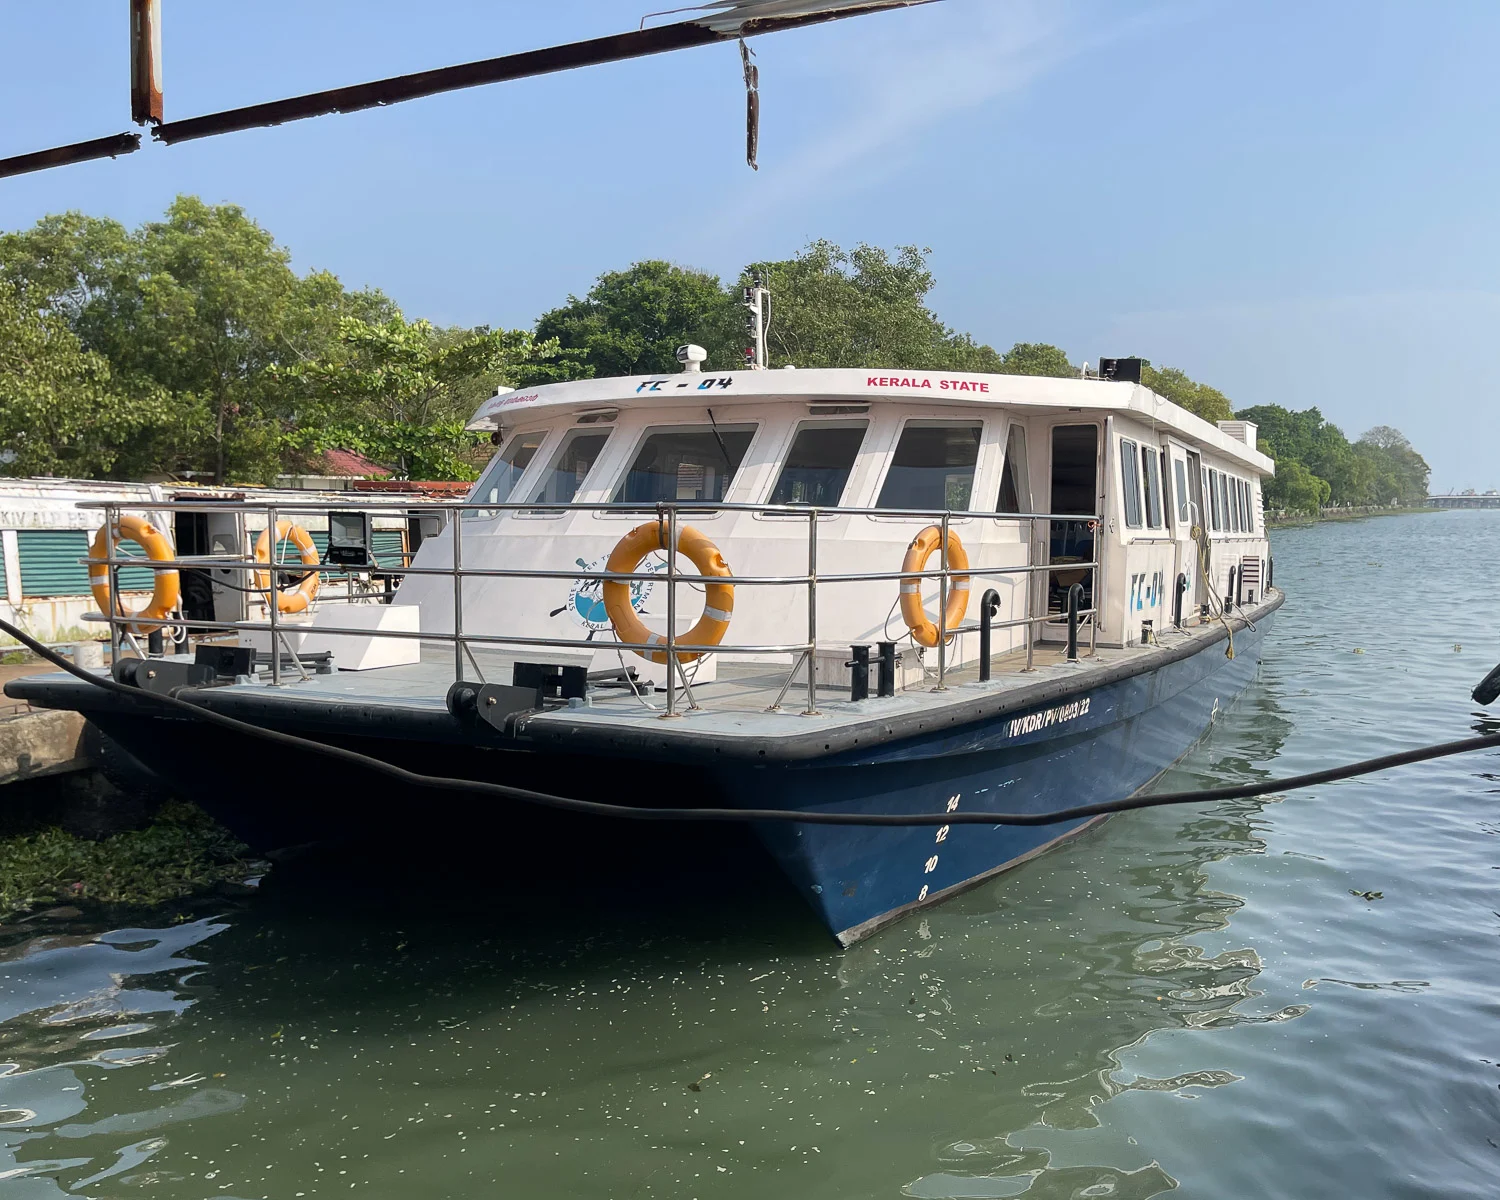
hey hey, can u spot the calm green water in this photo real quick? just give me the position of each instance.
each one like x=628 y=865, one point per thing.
x=1184 y=1000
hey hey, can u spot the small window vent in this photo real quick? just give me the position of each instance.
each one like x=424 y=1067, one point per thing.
x=837 y=410
x=602 y=416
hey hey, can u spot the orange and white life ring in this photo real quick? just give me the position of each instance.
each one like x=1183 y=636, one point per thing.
x=293 y=599
x=718 y=598
x=923 y=630
x=166 y=589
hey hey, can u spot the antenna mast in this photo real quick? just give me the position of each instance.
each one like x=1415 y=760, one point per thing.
x=757 y=308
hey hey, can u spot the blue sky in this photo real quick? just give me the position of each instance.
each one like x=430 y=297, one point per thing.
x=1294 y=202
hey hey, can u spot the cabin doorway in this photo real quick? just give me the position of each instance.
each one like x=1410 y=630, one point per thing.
x=1074 y=489
x=1191 y=549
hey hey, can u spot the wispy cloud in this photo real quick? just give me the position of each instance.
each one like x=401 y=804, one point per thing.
x=887 y=79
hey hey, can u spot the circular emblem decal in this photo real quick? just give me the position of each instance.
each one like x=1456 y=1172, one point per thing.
x=586 y=599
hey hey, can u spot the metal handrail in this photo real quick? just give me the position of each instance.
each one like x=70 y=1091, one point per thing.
x=666 y=512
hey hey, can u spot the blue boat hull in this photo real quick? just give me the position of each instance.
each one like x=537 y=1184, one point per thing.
x=1096 y=745
x=1108 y=736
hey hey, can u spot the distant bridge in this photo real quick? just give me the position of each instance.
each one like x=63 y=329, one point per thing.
x=1488 y=500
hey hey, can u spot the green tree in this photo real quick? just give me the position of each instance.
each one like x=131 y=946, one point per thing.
x=1037 y=358
x=59 y=413
x=401 y=392
x=67 y=263
x=200 y=306
x=861 y=308
x=632 y=322
x=1174 y=384
x=1397 y=473
x=1296 y=489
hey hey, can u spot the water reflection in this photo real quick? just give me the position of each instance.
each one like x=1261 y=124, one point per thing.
x=1184 y=1001
x=398 y=1034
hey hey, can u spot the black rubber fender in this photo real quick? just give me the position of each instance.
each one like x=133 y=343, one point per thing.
x=128 y=773
x=1489 y=687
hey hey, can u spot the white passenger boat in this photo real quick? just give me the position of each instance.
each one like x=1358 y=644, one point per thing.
x=894 y=592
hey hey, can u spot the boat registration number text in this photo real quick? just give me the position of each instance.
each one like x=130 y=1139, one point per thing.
x=1047 y=718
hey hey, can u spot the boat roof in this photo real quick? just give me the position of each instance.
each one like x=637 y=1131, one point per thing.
x=833 y=385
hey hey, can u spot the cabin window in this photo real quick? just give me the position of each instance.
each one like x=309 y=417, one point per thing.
x=1249 y=507
x=1130 y=482
x=1215 y=506
x=1015 y=483
x=933 y=468
x=570 y=467
x=689 y=463
x=1238 y=488
x=1224 y=501
x=505 y=470
x=819 y=463
x=1179 y=473
x=1151 y=461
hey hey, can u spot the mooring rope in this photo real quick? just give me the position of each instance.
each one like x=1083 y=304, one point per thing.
x=597 y=808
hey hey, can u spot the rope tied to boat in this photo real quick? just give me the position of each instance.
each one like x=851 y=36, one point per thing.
x=1079 y=812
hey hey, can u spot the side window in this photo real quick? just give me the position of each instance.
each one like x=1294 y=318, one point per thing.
x=1249 y=508
x=505 y=469
x=819 y=463
x=1151 y=461
x=1130 y=482
x=1015 y=481
x=933 y=468
x=691 y=463
x=1239 y=506
x=1224 y=499
x=1214 y=503
x=1179 y=473
x=570 y=467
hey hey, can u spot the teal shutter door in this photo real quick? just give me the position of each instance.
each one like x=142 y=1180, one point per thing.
x=50 y=566
x=389 y=547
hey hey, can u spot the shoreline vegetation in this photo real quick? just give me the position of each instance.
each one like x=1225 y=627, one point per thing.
x=1284 y=519
x=189 y=349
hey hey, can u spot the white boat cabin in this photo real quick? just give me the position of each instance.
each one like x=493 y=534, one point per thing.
x=1025 y=465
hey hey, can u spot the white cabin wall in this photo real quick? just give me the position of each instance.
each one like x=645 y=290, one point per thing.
x=764 y=615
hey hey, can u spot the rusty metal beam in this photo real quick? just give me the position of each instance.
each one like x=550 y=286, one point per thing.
x=145 y=62
x=638 y=44
x=61 y=156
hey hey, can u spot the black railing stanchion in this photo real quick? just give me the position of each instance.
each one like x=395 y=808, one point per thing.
x=886 y=680
x=1182 y=587
x=1233 y=595
x=989 y=605
x=1075 y=599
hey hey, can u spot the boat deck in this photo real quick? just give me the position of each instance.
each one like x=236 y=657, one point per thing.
x=733 y=719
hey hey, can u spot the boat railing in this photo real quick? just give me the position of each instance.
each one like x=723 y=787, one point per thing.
x=124 y=626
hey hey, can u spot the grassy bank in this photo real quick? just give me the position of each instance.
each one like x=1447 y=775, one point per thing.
x=181 y=852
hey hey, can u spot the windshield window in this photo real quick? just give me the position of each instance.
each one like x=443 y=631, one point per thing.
x=1015 y=491
x=933 y=468
x=818 y=465
x=571 y=467
x=505 y=470
x=694 y=463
